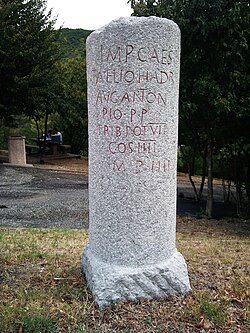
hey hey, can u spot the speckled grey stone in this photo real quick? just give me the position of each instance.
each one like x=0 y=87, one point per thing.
x=133 y=85
x=16 y=150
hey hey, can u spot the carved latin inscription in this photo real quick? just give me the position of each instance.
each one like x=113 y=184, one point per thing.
x=129 y=95
x=133 y=53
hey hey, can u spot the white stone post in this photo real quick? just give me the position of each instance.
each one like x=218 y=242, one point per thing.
x=133 y=86
x=16 y=150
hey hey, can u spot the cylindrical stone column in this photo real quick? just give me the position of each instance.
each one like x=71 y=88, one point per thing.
x=133 y=84
x=16 y=150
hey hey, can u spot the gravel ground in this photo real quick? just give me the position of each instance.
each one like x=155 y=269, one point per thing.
x=31 y=197
x=48 y=196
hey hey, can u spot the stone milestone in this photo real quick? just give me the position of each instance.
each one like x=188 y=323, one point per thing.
x=133 y=86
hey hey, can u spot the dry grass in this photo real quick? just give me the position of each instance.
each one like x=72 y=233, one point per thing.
x=43 y=290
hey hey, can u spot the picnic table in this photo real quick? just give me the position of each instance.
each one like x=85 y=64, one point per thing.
x=52 y=146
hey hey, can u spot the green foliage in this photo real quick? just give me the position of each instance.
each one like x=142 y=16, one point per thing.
x=208 y=60
x=215 y=76
x=4 y=133
x=37 y=77
x=143 y=8
x=28 y=53
x=73 y=120
x=72 y=117
x=21 y=126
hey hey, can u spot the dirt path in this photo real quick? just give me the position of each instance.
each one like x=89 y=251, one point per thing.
x=185 y=205
x=67 y=164
x=39 y=198
x=55 y=194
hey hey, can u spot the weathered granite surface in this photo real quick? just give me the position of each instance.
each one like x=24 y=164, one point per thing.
x=114 y=283
x=133 y=85
x=16 y=149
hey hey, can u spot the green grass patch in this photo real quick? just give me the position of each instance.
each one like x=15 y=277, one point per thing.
x=39 y=324
x=214 y=311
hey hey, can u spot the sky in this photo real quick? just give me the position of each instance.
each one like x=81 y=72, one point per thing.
x=87 y=14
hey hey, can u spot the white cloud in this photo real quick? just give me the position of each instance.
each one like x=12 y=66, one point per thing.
x=88 y=14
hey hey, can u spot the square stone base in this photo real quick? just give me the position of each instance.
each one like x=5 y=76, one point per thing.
x=112 y=283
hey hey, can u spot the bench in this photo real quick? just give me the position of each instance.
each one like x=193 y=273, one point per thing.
x=64 y=148
x=52 y=148
x=31 y=148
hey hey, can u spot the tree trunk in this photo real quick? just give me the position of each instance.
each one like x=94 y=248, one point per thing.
x=38 y=130
x=226 y=184
x=42 y=154
x=190 y=167
x=209 y=207
x=203 y=178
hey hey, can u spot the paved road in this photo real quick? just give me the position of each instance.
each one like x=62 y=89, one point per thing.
x=32 y=197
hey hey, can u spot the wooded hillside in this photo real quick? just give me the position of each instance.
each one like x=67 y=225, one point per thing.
x=72 y=39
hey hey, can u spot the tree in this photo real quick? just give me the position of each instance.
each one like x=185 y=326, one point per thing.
x=74 y=114
x=214 y=59
x=143 y=7
x=219 y=50
x=28 y=53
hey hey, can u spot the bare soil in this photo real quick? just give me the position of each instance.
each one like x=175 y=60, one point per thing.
x=186 y=204
x=75 y=165
x=61 y=180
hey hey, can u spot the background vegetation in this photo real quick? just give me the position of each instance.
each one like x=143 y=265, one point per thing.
x=214 y=90
x=42 y=75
